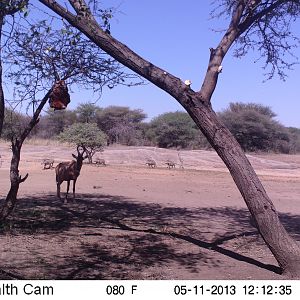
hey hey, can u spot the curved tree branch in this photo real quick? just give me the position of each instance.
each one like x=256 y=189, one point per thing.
x=217 y=55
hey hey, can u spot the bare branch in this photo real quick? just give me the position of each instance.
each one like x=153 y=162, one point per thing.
x=59 y=9
x=23 y=179
x=268 y=30
x=45 y=55
x=251 y=19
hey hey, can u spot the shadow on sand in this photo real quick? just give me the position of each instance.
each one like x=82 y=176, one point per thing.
x=108 y=237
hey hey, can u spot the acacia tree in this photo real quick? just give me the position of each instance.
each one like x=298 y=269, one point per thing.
x=38 y=56
x=260 y=23
x=255 y=128
x=85 y=135
x=121 y=124
x=87 y=112
x=173 y=129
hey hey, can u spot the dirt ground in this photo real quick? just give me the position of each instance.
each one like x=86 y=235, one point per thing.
x=129 y=221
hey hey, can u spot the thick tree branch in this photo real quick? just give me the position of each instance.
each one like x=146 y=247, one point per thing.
x=35 y=118
x=76 y=6
x=217 y=55
x=60 y=10
x=24 y=178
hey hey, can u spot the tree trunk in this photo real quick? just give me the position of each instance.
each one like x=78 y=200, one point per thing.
x=285 y=249
x=15 y=179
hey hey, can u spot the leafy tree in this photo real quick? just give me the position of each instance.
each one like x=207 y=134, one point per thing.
x=13 y=124
x=254 y=127
x=239 y=107
x=37 y=55
x=54 y=122
x=87 y=112
x=85 y=135
x=121 y=124
x=174 y=129
x=294 y=139
x=261 y=24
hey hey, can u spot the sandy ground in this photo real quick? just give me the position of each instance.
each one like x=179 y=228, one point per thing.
x=129 y=221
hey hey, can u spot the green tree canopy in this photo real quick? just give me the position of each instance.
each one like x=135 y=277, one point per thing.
x=13 y=124
x=173 y=129
x=87 y=112
x=54 y=122
x=255 y=128
x=86 y=135
x=121 y=124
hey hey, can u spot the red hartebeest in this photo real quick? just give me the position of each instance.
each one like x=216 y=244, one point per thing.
x=67 y=171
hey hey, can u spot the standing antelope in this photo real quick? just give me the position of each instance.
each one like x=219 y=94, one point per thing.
x=67 y=171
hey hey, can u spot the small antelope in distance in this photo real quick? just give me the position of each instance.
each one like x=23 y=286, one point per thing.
x=151 y=163
x=170 y=164
x=67 y=171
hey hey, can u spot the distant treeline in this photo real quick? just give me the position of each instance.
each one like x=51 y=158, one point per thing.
x=253 y=125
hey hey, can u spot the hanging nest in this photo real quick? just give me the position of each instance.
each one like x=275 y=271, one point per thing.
x=59 y=97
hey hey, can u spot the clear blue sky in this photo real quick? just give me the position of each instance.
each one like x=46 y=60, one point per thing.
x=176 y=35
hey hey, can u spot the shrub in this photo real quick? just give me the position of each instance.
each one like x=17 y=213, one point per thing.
x=255 y=129
x=86 y=135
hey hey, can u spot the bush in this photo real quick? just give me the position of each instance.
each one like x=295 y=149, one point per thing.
x=255 y=129
x=13 y=124
x=173 y=129
x=294 y=139
x=54 y=122
x=86 y=135
x=121 y=124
